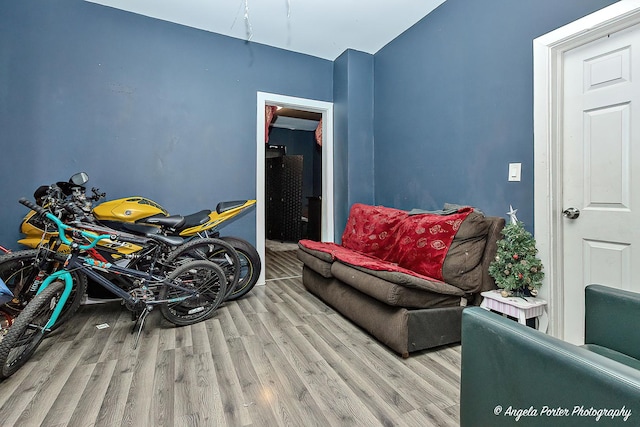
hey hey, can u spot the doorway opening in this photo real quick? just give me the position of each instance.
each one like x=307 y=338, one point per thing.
x=325 y=199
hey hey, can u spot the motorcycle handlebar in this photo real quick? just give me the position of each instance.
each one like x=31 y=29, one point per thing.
x=76 y=211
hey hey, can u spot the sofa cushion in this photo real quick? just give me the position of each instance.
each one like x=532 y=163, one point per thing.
x=397 y=289
x=422 y=241
x=370 y=229
x=335 y=251
x=463 y=265
x=316 y=263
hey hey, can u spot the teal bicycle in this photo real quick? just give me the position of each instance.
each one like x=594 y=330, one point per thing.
x=186 y=295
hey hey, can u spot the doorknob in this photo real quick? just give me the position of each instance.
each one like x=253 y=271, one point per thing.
x=571 y=213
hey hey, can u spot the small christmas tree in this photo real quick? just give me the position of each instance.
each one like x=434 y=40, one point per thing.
x=516 y=269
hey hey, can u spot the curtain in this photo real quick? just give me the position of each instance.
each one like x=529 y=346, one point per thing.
x=269 y=111
x=319 y=133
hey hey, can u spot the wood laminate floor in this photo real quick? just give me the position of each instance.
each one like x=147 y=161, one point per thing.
x=278 y=357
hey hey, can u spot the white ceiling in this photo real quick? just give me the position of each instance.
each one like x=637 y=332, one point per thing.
x=321 y=28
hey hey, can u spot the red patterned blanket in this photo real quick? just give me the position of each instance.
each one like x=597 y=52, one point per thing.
x=387 y=239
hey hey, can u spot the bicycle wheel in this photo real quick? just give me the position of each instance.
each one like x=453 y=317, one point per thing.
x=211 y=249
x=26 y=333
x=207 y=279
x=20 y=269
x=250 y=266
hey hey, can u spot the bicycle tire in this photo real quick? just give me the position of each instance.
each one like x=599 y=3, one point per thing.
x=250 y=266
x=211 y=249
x=26 y=333
x=17 y=270
x=205 y=276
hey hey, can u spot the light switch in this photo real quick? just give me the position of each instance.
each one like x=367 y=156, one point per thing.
x=514 y=171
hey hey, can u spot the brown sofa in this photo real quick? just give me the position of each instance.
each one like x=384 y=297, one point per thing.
x=366 y=278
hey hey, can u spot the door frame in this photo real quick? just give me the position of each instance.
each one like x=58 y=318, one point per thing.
x=326 y=109
x=548 y=54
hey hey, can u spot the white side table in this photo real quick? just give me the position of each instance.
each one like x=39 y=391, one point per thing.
x=520 y=308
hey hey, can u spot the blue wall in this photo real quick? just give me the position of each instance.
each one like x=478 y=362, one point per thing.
x=353 y=134
x=454 y=104
x=144 y=106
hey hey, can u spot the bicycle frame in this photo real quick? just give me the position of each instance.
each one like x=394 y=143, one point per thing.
x=87 y=266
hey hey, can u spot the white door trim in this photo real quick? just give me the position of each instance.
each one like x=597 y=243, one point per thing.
x=548 y=53
x=326 y=108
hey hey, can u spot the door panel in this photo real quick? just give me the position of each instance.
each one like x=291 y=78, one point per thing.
x=606 y=262
x=599 y=148
x=606 y=151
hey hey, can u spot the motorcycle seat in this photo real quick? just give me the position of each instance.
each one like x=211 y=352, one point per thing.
x=196 y=219
x=173 y=221
x=225 y=206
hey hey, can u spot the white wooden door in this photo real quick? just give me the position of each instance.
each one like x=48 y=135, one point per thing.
x=601 y=170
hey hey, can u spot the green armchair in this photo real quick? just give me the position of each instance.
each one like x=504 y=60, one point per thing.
x=515 y=375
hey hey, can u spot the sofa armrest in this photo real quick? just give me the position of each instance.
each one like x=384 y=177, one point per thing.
x=507 y=367
x=611 y=319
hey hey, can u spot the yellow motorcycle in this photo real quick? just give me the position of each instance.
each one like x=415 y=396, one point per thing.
x=140 y=215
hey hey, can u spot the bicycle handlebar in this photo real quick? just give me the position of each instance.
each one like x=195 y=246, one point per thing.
x=62 y=227
x=32 y=206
